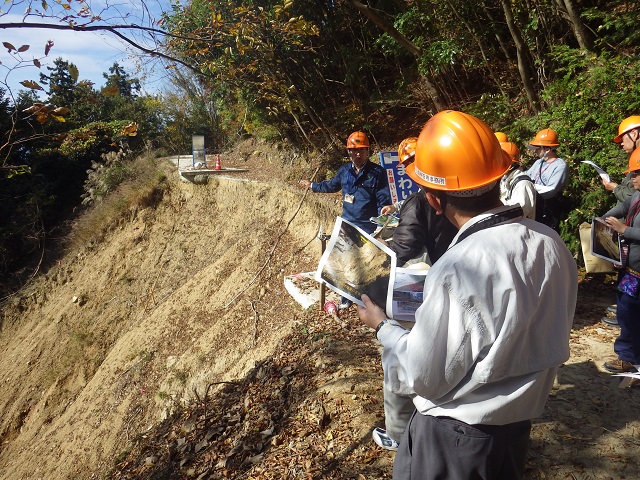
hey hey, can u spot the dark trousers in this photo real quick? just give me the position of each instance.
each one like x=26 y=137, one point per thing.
x=442 y=448
x=627 y=345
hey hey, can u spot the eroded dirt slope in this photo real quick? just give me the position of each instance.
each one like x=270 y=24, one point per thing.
x=114 y=336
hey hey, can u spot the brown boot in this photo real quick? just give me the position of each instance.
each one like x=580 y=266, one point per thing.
x=619 y=366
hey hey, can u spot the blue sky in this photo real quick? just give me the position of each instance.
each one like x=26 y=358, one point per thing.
x=92 y=53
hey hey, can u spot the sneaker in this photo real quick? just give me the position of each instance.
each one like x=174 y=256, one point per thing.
x=611 y=321
x=619 y=366
x=383 y=440
x=612 y=309
x=344 y=305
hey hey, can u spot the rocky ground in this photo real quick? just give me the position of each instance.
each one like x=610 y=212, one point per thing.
x=172 y=350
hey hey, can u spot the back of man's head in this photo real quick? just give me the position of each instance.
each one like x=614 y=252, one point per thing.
x=459 y=156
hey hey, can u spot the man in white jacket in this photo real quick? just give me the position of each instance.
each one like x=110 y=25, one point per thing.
x=495 y=322
x=516 y=188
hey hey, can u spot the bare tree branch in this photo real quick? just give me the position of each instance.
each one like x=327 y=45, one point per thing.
x=115 y=30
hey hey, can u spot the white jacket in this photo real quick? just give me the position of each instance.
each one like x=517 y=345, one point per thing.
x=493 y=327
x=523 y=193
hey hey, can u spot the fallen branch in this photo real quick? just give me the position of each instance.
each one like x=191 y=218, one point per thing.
x=255 y=324
x=135 y=413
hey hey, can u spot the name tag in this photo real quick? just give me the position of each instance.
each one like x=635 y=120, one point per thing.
x=349 y=198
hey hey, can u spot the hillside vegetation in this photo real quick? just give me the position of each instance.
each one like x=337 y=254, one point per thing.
x=307 y=73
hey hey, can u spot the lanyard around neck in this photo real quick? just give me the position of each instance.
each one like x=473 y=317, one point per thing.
x=491 y=221
x=633 y=211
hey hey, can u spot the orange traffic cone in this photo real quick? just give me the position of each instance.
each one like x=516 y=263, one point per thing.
x=218 y=164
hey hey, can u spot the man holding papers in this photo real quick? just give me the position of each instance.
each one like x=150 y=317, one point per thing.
x=627 y=345
x=550 y=176
x=495 y=322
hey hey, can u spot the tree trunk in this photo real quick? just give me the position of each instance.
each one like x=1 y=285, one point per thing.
x=478 y=40
x=304 y=133
x=389 y=29
x=524 y=63
x=501 y=42
x=571 y=13
x=310 y=113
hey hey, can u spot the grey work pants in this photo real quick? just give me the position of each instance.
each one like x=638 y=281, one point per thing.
x=436 y=448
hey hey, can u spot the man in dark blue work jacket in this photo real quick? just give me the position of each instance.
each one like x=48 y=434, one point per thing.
x=364 y=185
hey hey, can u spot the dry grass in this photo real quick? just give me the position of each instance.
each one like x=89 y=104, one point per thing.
x=144 y=188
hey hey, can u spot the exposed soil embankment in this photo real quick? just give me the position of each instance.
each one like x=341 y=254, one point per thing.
x=109 y=340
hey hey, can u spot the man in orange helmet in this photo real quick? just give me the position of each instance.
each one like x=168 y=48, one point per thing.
x=629 y=139
x=364 y=185
x=495 y=322
x=549 y=174
x=627 y=345
x=420 y=231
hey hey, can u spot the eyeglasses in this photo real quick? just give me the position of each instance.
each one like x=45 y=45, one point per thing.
x=634 y=174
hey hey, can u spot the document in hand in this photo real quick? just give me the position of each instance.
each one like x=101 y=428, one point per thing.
x=604 y=175
x=408 y=293
x=605 y=242
x=354 y=263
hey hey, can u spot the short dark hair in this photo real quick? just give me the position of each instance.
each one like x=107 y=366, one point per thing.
x=470 y=205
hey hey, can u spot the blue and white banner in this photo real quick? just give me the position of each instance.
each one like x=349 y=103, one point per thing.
x=400 y=184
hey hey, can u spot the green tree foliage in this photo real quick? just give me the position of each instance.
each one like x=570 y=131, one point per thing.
x=311 y=70
x=119 y=82
x=314 y=71
x=120 y=98
x=61 y=80
x=196 y=107
x=94 y=139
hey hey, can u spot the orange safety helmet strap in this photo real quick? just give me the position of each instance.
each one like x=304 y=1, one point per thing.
x=634 y=161
x=358 y=140
x=512 y=150
x=545 y=138
x=628 y=124
x=457 y=152
x=407 y=150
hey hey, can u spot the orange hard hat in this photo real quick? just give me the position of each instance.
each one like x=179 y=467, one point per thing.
x=628 y=124
x=512 y=149
x=407 y=150
x=502 y=137
x=545 y=138
x=455 y=152
x=358 y=140
x=634 y=161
